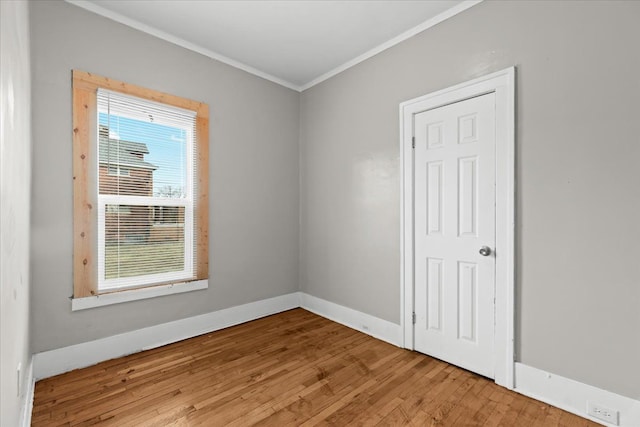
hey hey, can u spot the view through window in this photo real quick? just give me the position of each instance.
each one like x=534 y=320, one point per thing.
x=144 y=214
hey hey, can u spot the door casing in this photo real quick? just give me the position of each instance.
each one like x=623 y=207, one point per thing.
x=502 y=83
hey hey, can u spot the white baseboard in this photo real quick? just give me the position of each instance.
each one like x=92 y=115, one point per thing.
x=370 y=325
x=553 y=389
x=27 y=404
x=572 y=396
x=58 y=361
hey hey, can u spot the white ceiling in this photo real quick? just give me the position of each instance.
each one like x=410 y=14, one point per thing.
x=293 y=43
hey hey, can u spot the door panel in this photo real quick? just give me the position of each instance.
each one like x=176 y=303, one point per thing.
x=454 y=217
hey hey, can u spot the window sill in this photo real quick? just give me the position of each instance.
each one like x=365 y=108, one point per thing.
x=136 y=294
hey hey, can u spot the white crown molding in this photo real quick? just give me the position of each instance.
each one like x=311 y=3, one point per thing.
x=91 y=7
x=394 y=41
x=87 y=5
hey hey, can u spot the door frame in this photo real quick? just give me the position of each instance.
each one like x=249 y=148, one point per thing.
x=502 y=83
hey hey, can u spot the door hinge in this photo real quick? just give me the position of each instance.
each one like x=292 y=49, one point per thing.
x=413 y=317
x=413 y=142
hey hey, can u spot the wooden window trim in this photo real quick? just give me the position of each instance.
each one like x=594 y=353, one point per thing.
x=85 y=219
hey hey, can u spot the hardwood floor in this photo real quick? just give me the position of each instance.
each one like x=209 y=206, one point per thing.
x=290 y=369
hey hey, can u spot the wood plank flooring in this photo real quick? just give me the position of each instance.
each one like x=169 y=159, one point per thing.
x=290 y=369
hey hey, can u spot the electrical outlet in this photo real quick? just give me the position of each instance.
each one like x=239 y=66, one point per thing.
x=602 y=413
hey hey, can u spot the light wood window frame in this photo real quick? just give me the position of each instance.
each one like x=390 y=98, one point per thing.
x=85 y=174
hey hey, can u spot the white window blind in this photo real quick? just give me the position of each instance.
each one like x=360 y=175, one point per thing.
x=146 y=192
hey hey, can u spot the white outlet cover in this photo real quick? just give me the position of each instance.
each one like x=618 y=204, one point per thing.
x=603 y=413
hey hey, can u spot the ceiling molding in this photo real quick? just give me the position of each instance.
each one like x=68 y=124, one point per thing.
x=461 y=7
x=92 y=7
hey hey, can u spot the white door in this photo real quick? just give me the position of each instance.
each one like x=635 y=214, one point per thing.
x=454 y=226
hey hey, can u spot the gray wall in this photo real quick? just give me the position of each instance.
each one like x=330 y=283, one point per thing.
x=15 y=184
x=577 y=141
x=254 y=186
x=578 y=203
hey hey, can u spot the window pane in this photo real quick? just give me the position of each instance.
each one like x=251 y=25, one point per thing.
x=138 y=158
x=137 y=245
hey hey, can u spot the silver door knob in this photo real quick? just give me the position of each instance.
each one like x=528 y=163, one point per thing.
x=485 y=251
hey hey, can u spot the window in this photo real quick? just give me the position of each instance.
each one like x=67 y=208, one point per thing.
x=117 y=171
x=168 y=215
x=140 y=187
